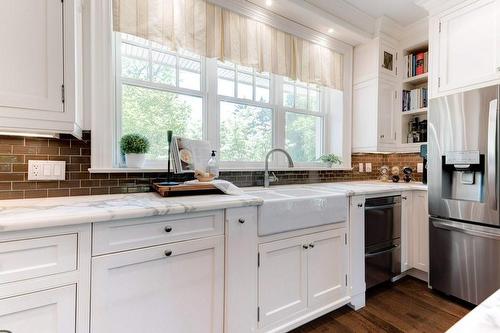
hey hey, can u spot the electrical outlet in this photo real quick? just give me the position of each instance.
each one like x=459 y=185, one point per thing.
x=420 y=167
x=46 y=170
x=368 y=167
x=360 y=167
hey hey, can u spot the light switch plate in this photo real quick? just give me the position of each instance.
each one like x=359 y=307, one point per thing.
x=368 y=167
x=420 y=167
x=360 y=167
x=46 y=170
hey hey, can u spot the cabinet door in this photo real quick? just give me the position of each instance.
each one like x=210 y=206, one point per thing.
x=468 y=45
x=241 y=270
x=386 y=112
x=406 y=230
x=420 y=235
x=327 y=267
x=282 y=279
x=176 y=287
x=31 y=61
x=49 y=311
x=357 y=244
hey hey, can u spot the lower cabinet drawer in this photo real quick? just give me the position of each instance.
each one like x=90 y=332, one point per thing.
x=116 y=236
x=48 y=311
x=36 y=257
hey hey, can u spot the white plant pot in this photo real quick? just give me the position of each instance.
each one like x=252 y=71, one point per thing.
x=135 y=160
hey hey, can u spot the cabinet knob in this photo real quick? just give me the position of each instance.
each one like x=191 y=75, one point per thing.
x=168 y=253
x=360 y=205
x=305 y=247
x=168 y=228
x=311 y=245
x=404 y=198
x=241 y=220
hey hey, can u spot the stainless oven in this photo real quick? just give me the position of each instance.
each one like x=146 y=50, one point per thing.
x=382 y=239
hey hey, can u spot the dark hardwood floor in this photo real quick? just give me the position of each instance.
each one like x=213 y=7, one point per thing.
x=405 y=306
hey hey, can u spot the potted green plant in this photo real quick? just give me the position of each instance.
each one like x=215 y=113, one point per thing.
x=330 y=159
x=134 y=147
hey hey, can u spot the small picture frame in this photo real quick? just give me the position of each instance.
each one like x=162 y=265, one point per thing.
x=388 y=61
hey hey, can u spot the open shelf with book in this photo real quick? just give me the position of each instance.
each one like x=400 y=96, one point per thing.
x=414 y=97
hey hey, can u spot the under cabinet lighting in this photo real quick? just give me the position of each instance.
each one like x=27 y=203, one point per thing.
x=36 y=135
x=269 y=2
x=331 y=31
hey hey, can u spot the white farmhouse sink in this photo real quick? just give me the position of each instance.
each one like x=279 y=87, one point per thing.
x=287 y=209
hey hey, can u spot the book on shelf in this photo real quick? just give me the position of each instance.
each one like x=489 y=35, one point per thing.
x=414 y=99
x=416 y=63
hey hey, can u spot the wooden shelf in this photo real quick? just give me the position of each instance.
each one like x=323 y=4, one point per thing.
x=419 y=79
x=414 y=112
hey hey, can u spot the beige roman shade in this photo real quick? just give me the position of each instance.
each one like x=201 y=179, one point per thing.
x=214 y=32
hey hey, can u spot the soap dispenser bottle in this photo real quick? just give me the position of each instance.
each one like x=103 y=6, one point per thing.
x=213 y=165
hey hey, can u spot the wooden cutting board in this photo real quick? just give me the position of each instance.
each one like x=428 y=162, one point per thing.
x=186 y=189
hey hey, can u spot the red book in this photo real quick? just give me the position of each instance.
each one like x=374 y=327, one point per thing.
x=419 y=63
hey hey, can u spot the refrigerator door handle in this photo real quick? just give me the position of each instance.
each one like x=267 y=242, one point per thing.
x=492 y=155
x=441 y=224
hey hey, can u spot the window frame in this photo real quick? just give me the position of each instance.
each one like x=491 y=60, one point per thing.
x=99 y=88
x=120 y=81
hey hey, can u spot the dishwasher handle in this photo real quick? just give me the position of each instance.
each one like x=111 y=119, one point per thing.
x=376 y=253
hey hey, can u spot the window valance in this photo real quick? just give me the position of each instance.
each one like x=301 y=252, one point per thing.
x=214 y=32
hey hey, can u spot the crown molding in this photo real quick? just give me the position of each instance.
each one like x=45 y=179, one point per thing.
x=436 y=6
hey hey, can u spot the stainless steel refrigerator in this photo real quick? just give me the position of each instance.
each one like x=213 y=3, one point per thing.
x=463 y=173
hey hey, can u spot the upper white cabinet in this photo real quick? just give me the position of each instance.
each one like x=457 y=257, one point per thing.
x=177 y=287
x=40 y=66
x=465 y=47
x=374 y=120
x=375 y=97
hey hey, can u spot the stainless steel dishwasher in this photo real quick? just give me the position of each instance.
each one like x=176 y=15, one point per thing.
x=382 y=239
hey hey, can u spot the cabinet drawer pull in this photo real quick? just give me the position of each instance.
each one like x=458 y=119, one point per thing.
x=311 y=245
x=404 y=198
x=168 y=253
x=305 y=247
x=241 y=220
x=168 y=229
x=360 y=205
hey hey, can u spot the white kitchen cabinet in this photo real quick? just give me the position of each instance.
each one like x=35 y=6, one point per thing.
x=357 y=251
x=241 y=270
x=406 y=230
x=177 y=287
x=375 y=96
x=419 y=231
x=374 y=115
x=300 y=274
x=465 y=47
x=40 y=62
x=387 y=106
x=327 y=261
x=282 y=279
x=49 y=311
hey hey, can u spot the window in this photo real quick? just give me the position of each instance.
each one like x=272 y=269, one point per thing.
x=242 y=112
x=158 y=91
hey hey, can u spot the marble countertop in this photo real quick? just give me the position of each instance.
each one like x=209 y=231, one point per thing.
x=485 y=318
x=38 y=213
x=49 y=212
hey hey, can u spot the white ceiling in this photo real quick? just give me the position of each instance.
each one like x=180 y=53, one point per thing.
x=404 y=12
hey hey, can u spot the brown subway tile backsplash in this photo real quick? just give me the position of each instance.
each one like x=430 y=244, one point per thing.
x=15 y=152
